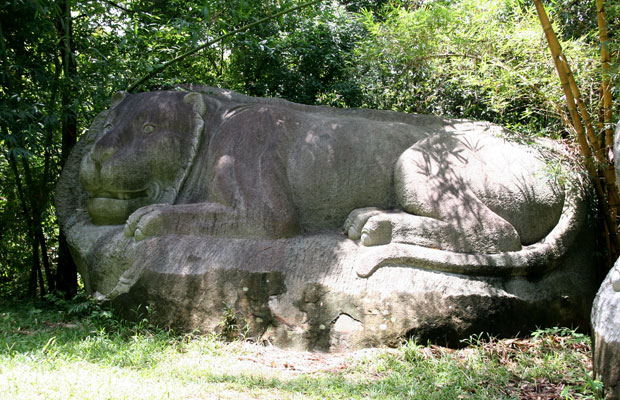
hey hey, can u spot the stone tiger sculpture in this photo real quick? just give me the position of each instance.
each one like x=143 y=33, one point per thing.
x=227 y=165
x=194 y=200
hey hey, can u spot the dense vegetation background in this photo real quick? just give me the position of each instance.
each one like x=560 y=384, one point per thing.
x=61 y=61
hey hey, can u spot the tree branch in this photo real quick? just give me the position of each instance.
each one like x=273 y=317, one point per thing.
x=161 y=67
x=114 y=4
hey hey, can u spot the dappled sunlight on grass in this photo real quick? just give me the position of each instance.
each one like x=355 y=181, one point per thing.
x=48 y=352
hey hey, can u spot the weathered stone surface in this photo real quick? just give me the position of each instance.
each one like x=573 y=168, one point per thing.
x=606 y=320
x=606 y=328
x=191 y=202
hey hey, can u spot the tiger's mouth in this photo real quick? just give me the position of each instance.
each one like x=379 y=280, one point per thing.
x=107 y=207
x=121 y=195
x=152 y=191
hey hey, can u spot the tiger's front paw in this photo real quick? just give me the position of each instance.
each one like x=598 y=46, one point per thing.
x=147 y=221
x=369 y=225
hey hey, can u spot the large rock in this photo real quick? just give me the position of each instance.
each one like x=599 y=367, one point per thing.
x=606 y=328
x=204 y=202
x=606 y=320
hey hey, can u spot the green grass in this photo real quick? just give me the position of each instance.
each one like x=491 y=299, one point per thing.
x=76 y=350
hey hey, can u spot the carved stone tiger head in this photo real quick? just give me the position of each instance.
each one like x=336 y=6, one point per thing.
x=143 y=153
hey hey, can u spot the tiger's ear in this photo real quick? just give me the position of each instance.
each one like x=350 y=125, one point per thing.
x=197 y=102
x=117 y=98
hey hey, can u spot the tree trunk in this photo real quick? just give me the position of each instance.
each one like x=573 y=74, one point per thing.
x=28 y=216
x=36 y=210
x=36 y=266
x=66 y=276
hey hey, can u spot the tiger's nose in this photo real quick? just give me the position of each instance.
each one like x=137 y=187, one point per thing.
x=105 y=147
x=101 y=155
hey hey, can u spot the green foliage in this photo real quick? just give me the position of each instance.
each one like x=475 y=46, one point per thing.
x=233 y=325
x=469 y=58
x=304 y=61
x=31 y=115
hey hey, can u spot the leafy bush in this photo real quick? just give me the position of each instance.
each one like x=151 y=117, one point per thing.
x=469 y=58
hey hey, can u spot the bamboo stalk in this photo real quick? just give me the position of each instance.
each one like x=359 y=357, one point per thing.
x=608 y=170
x=585 y=115
x=601 y=120
x=614 y=201
x=567 y=78
x=572 y=97
x=605 y=165
x=556 y=52
x=605 y=85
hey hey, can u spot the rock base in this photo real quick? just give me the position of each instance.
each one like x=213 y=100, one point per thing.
x=304 y=293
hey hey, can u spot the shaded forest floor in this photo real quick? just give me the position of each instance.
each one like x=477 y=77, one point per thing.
x=77 y=350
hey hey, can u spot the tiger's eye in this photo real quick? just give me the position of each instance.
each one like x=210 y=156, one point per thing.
x=148 y=128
